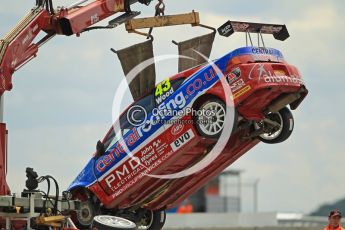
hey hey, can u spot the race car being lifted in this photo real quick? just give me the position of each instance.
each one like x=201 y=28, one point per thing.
x=188 y=129
x=176 y=136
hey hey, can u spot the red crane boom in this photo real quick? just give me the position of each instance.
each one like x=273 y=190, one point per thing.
x=18 y=47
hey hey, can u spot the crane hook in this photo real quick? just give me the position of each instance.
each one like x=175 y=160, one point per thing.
x=160 y=8
x=160 y=11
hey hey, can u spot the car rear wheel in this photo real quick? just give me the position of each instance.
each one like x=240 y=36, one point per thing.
x=277 y=126
x=112 y=223
x=210 y=118
x=152 y=220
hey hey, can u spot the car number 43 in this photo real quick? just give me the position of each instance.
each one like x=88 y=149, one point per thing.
x=163 y=88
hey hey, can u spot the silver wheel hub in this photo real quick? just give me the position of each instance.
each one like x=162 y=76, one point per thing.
x=213 y=118
x=271 y=135
x=85 y=215
x=113 y=221
x=147 y=221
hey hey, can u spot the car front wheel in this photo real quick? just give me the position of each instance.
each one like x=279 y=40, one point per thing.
x=112 y=223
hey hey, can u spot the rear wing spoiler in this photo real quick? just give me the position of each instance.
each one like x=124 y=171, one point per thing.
x=279 y=32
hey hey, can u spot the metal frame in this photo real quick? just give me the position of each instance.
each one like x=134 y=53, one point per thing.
x=260 y=38
x=34 y=201
x=133 y=25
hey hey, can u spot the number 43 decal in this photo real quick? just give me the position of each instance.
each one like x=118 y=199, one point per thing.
x=162 y=88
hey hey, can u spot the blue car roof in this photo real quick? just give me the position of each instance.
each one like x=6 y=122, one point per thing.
x=250 y=50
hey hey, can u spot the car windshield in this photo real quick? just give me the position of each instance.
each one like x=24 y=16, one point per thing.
x=123 y=125
x=110 y=139
x=144 y=105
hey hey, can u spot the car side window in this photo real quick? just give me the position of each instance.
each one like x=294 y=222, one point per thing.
x=110 y=138
x=177 y=83
x=112 y=142
x=148 y=103
x=143 y=106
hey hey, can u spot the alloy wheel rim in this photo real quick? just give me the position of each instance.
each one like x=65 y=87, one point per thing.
x=272 y=136
x=114 y=221
x=147 y=221
x=212 y=125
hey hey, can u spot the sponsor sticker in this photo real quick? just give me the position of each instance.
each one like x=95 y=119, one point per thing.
x=182 y=140
x=279 y=72
x=226 y=30
x=234 y=75
x=237 y=85
x=262 y=50
x=242 y=91
x=163 y=91
x=177 y=129
x=260 y=72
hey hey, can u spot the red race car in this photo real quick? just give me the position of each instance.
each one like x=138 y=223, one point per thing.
x=172 y=141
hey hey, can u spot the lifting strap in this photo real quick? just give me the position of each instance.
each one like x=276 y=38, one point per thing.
x=202 y=44
x=133 y=56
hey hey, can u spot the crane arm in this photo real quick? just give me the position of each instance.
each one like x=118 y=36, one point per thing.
x=19 y=46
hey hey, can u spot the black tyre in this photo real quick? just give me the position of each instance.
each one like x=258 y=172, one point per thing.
x=85 y=215
x=286 y=121
x=152 y=220
x=112 y=223
x=210 y=119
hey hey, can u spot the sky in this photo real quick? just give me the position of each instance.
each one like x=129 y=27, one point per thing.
x=61 y=103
